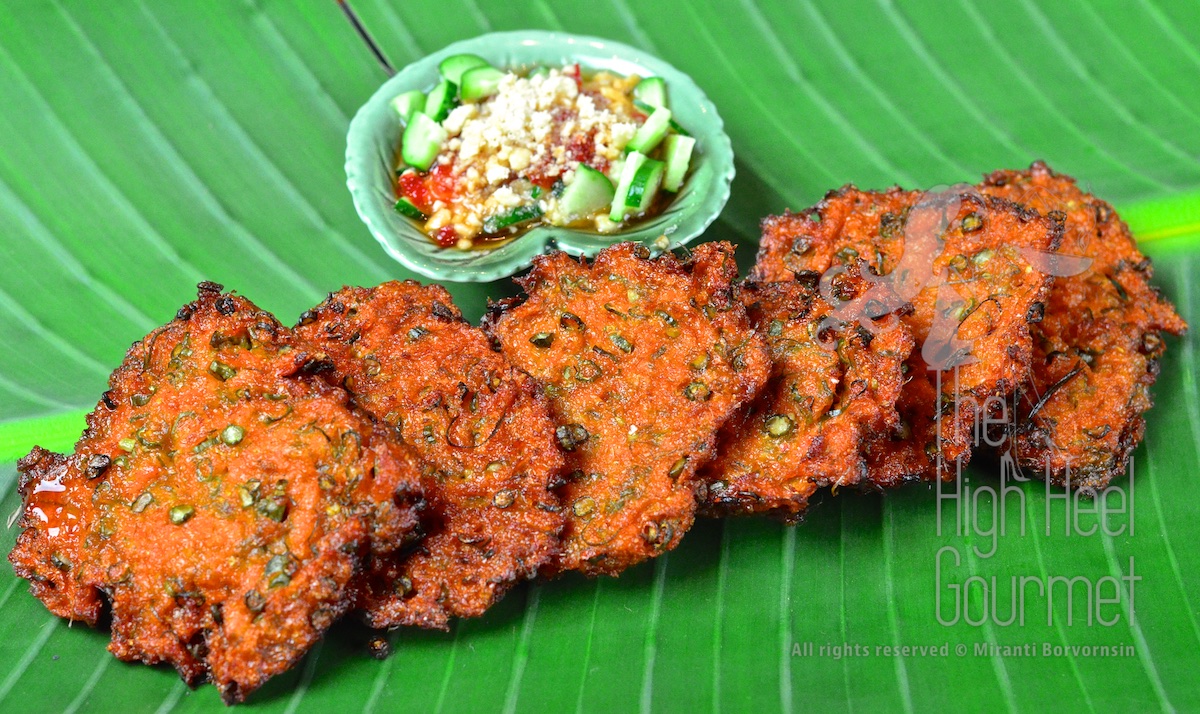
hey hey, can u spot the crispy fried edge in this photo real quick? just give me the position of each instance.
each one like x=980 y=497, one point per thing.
x=779 y=496
x=701 y=268
x=191 y=668
x=1046 y=458
x=914 y=463
x=385 y=609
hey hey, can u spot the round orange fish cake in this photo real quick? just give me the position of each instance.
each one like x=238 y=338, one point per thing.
x=832 y=394
x=1096 y=350
x=483 y=432
x=964 y=268
x=221 y=500
x=643 y=360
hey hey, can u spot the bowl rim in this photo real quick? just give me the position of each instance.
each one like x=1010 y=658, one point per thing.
x=360 y=139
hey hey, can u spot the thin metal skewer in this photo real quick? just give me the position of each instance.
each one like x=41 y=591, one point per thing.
x=366 y=37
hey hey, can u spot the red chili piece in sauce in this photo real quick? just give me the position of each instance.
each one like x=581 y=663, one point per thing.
x=413 y=187
x=445 y=236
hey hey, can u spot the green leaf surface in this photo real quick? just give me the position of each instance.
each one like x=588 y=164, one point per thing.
x=148 y=146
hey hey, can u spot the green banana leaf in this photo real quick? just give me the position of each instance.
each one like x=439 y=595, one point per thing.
x=145 y=146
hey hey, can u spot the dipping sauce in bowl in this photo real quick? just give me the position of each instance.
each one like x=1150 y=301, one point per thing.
x=455 y=196
x=543 y=146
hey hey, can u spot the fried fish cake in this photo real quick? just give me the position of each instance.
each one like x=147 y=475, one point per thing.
x=831 y=395
x=483 y=432
x=643 y=361
x=221 y=499
x=964 y=267
x=1096 y=351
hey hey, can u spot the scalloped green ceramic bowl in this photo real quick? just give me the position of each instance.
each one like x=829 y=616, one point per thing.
x=375 y=134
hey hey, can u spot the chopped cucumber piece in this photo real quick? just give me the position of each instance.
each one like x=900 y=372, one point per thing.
x=633 y=162
x=409 y=103
x=675 y=127
x=587 y=193
x=405 y=207
x=651 y=91
x=441 y=100
x=422 y=141
x=647 y=109
x=541 y=71
x=677 y=154
x=649 y=134
x=480 y=83
x=517 y=216
x=454 y=66
x=644 y=186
